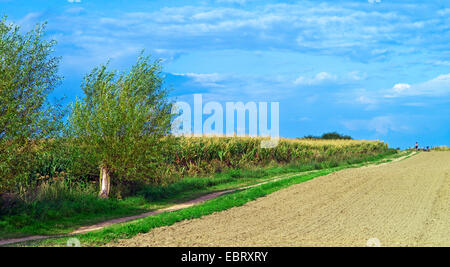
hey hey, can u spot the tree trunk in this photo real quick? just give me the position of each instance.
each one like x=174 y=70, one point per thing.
x=105 y=182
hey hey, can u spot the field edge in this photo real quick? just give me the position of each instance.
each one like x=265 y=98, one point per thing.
x=221 y=203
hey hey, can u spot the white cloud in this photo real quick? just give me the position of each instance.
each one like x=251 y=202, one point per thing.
x=241 y=2
x=380 y=124
x=75 y=10
x=444 y=12
x=74 y=1
x=357 y=75
x=379 y=51
x=374 y=1
x=29 y=21
x=415 y=104
x=205 y=79
x=303 y=119
x=319 y=78
x=440 y=62
x=366 y=100
x=401 y=87
x=338 y=28
x=438 y=86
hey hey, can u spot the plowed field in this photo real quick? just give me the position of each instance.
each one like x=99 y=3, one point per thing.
x=405 y=203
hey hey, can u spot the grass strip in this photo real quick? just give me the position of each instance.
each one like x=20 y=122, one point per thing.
x=236 y=199
x=73 y=209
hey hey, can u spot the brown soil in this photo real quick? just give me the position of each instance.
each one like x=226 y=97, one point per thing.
x=403 y=203
x=98 y=226
x=187 y=204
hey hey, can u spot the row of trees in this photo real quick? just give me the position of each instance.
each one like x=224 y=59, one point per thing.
x=330 y=136
x=119 y=115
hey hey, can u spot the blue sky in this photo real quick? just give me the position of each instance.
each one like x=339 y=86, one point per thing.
x=377 y=69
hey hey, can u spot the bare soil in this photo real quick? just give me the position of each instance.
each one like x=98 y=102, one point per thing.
x=187 y=204
x=402 y=203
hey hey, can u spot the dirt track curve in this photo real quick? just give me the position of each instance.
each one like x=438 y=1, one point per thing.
x=405 y=203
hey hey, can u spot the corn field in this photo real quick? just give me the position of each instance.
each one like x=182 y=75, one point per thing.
x=203 y=155
x=197 y=156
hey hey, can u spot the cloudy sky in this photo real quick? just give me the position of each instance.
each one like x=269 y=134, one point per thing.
x=373 y=69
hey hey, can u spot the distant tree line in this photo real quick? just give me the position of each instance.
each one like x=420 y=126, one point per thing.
x=330 y=136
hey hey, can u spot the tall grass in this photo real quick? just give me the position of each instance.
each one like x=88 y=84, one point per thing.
x=192 y=184
x=196 y=157
x=239 y=198
x=191 y=156
x=60 y=202
x=58 y=205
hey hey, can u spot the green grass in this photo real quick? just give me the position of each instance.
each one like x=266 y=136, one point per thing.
x=130 y=229
x=237 y=178
x=47 y=217
x=63 y=212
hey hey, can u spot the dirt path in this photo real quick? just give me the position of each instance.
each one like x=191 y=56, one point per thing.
x=98 y=226
x=404 y=203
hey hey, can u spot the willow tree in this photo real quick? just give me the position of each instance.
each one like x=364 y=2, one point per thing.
x=121 y=120
x=28 y=74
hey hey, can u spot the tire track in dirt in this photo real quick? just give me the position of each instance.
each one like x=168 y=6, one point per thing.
x=403 y=203
x=101 y=225
x=175 y=207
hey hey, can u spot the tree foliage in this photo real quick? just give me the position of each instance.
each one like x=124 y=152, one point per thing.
x=330 y=136
x=121 y=120
x=28 y=73
x=335 y=136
